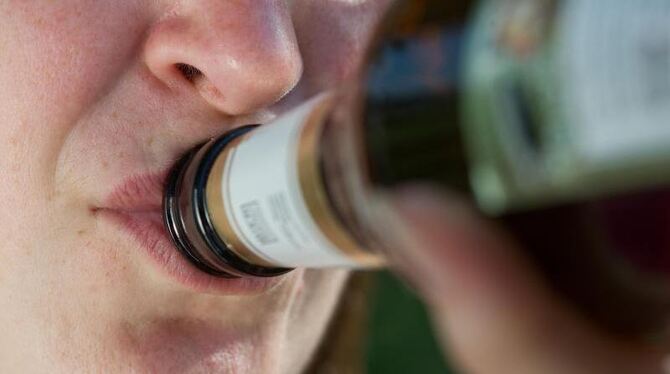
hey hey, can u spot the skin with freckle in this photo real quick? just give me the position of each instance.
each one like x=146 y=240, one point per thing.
x=90 y=96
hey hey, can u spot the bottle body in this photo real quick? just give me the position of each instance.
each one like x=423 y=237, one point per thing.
x=563 y=141
x=568 y=106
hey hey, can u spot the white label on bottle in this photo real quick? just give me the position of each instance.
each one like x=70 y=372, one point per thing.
x=264 y=201
x=615 y=61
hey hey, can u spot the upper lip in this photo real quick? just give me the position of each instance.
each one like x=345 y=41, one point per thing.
x=138 y=193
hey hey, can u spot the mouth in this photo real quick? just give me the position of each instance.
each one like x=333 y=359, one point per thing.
x=135 y=208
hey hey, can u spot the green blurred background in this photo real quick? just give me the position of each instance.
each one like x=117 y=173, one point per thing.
x=401 y=340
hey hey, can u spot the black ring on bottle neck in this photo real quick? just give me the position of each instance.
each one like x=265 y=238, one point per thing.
x=173 y=220
x=234 y=265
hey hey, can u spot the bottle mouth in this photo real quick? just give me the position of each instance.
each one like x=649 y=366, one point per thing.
x=188 y=221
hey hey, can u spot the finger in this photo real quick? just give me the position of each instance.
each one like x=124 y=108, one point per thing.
x=491 y=308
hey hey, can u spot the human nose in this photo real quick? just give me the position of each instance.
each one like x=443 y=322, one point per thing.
x=240 y=56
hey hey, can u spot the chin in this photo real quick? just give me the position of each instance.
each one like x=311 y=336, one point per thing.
x=194 y=346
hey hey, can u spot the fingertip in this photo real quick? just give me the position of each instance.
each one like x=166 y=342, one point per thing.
x=417 y=201
x=447 y=245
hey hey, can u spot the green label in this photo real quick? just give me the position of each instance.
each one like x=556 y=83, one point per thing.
x=567 y=99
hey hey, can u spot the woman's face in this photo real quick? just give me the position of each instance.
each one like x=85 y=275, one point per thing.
x=94 y=109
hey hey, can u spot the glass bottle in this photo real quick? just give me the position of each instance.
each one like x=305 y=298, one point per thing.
x=552 y=115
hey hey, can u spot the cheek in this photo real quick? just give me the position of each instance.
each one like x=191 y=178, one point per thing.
x=320 y=290
x=314 y=307
x=333 y=37
x=58 y=59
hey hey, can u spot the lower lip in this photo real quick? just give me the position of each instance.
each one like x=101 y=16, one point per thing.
x=147 y=230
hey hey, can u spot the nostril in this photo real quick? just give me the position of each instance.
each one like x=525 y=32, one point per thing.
x=190 y=72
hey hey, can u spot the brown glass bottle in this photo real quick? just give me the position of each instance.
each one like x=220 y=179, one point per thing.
x=547 y=120
x=484 y=109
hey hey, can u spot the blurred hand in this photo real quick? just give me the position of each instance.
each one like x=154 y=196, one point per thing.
x=490 y=310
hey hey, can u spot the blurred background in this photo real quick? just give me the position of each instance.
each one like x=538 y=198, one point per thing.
x=400 y=338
